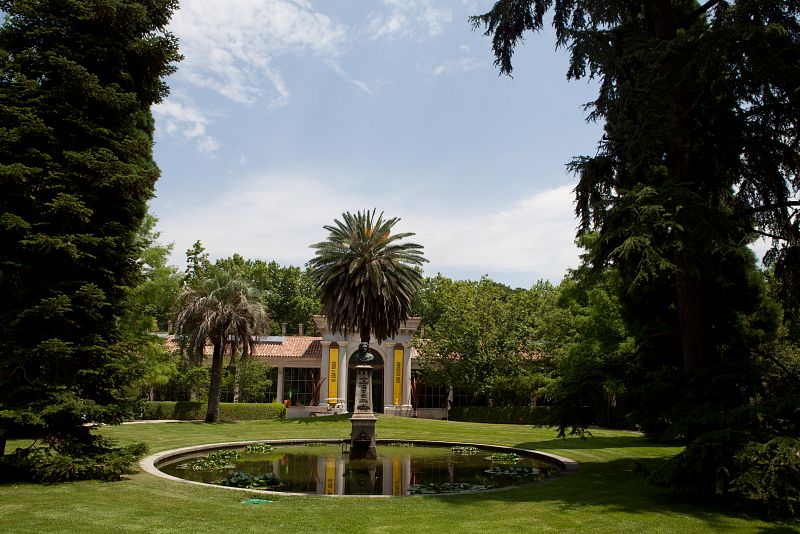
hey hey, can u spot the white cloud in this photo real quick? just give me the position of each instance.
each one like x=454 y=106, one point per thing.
x=230 y=46
x=178 y=117
x=406 y=15
x=337 y=68
x=532 y=239
x=463 y=64
x=277 y=216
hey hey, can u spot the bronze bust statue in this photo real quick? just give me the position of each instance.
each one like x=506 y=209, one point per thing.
x=363 y=355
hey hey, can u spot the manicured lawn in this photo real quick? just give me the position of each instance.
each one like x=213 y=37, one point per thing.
x=607 y=494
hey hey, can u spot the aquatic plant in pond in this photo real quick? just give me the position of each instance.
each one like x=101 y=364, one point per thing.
x=504 y=457
x=258 y=448
x=212 y=461
x=400 y=469
x=465 y=449
x=240 y=479
x=444 y=487
x=514 y=471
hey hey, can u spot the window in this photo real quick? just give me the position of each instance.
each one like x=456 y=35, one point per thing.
x=300 y=382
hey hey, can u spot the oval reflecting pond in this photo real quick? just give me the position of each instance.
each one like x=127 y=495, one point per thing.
x=325 y=469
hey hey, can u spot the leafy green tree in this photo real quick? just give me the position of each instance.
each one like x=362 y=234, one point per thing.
x=214 y=309
x=254 y=380
x=596 y=354
x=77 y=79
x=366 y=278
x=154 y=296
x=488 y=339
x=470 y=343
x=197 y=262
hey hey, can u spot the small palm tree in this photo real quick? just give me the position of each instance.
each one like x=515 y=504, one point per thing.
x=365 y=277
x=221 y=305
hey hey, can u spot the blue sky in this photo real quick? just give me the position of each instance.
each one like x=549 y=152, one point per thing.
x=286 y=113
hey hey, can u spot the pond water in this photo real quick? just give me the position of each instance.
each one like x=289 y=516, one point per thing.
x=325 y=469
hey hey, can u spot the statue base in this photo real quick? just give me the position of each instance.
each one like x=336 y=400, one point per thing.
x=362 y=435
x=362 y=438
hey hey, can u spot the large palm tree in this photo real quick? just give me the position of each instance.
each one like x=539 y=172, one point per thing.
x=215 y=307
x=365 y=277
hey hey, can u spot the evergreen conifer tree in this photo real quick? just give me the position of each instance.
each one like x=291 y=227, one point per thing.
x=77 y=80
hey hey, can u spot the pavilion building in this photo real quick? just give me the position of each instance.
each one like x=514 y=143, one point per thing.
x=302 y=363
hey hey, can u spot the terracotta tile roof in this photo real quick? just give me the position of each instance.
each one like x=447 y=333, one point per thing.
x=291 y=347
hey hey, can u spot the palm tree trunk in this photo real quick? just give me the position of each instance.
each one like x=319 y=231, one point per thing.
x=215 y=386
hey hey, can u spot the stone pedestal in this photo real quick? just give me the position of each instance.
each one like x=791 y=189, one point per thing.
x=362 y=435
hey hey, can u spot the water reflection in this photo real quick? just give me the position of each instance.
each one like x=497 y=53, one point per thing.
x=326 y=470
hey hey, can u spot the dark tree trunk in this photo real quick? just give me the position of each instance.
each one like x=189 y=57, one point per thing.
x=694 y=324
x=215 y=387
x=693 y=320
x=2 y=443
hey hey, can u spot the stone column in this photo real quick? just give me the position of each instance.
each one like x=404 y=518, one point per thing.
x=279 y=391
x=339 y=484
x=388 y=476
x=344 y=372
x=324 y=370
x=407 y=375
x=388 y=378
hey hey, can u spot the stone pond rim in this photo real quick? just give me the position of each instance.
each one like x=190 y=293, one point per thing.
x=150 y=464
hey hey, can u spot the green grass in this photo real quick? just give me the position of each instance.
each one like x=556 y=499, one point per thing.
x=607 y=494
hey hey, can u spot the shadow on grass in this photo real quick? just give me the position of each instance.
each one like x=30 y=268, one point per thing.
x=616 y=486
x=316 y=420
x=593 y=442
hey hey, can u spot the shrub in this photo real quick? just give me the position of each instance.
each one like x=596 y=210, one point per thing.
x=522 y=415
x=194 y=410
x=735 y=464
x=63 y=462
x=769 y=474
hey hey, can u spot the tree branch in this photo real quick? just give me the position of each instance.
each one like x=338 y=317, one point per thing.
x=777 y=205
x=767 y=234
x=704 y=8
x=777 y=362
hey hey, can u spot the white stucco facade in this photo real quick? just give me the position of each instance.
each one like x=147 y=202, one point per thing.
x=393 y=366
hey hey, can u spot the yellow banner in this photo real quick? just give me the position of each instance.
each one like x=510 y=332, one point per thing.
x=398 y=376
x=333 y=375
x=330 y=477
x=397 y=477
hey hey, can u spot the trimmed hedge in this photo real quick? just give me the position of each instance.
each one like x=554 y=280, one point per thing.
x=228 y=411
x=515 y=415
